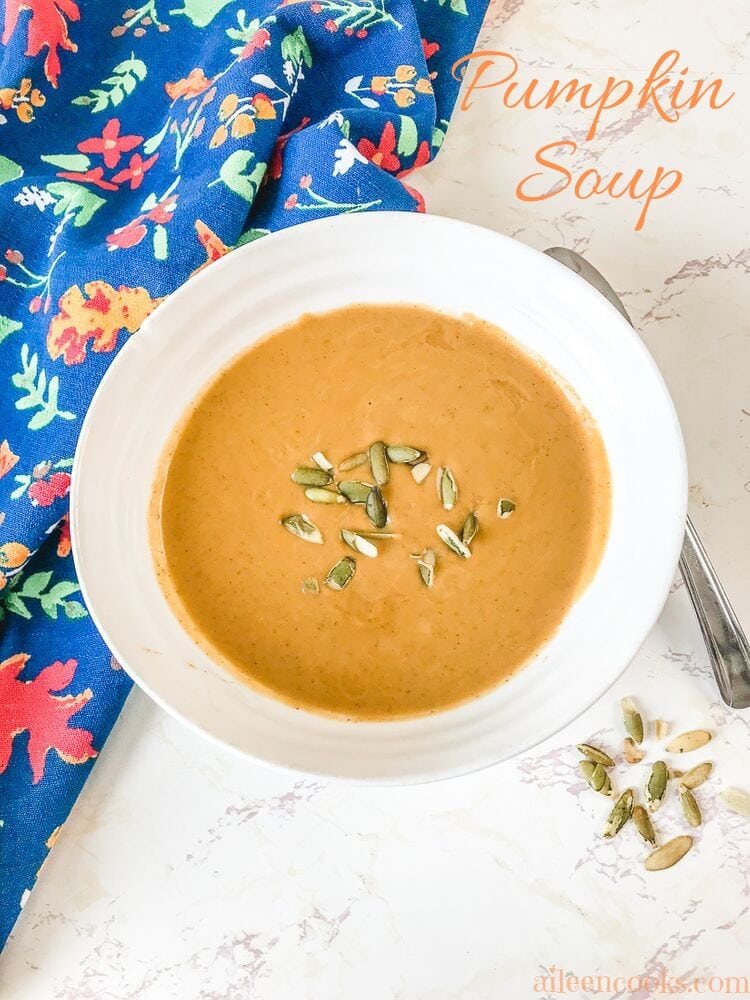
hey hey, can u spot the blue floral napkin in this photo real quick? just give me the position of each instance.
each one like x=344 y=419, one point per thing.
x=137 y=145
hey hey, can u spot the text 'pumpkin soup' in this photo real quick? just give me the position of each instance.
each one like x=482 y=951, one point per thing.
x=380 y=511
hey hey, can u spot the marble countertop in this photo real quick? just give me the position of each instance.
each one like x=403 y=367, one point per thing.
x=187 y=872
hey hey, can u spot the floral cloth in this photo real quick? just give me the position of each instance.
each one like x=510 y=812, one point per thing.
x=136 y=146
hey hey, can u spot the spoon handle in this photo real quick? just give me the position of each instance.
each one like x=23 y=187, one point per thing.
x=727 y=645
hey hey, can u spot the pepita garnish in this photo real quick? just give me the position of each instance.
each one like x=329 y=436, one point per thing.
x=420 y=472
x=643 y=825
x=596 y=776
x=696 y=775
x=470 y=528
x=505 y=507
x=354 y=491
x=375 y=535
x=631 y=753
x=322 y=462
x=317 y=494
x=301 y=526
x=632 y=719
x=360 y=544
x=426 y=566
x=454 y=543
x=690 y=807
x=379 y=463
x=401 y=454
x=311 y=477
x=375 y=508
x=668 y=854
x=661 y=728
x=310 y=585
x=342 y=574
x=594 y=753
x=621 y=813
x=447 y=488
x=687 y=742
x=736 y=800
x=656 y=786
x=353 y=462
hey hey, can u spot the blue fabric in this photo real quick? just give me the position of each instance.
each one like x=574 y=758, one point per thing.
x=136 y=146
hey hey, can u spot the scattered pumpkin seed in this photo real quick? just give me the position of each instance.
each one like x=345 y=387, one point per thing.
x=342 y=574
x=632 y=719
x=668 y=854
x=686 y=742
x=454 y=543
x=321 y=461
x=301 y=526
x=353 y=462
x=621 y=813
x=311 y=477
x=656 y=786
x=596 y=776
x=426 y=566
x=447 y=488
x=643 y=825
x=379 y=534
x=354 y=491
x=661 y=728
x=310 y=585
x=320 y=495
x=690 y=807
x=375 y=508
x=595 y=754
x=379 y=463
x=470 y=528
x=505 y=508
x=631 y=753
x=362 y=545
x=420 y=472
x=736 y=800
x=401 y=454
x=696 y=775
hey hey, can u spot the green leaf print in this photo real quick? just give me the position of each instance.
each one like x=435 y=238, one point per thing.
x=75 y=201
x=68 y=161
x=40 y=395
x=123 y=81
x=8 y=326
x=52 y=601
x=294 y=47
x=407 y=136
x=234 y=173
x=201 y=12
x=9 y=170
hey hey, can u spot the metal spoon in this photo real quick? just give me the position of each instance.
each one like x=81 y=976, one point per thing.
x=727 y=645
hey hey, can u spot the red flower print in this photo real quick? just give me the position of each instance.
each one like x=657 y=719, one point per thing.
x=63 y=539
x=128 y=236
x=277 y=156
x=94 y=176
x=135 y=170
x=429 y=48
x=422 y=157
x=47 y=27
x=111 y=144
x=383 y=155
x=44 y=492
x=330 y=25
x=30 y=706
x=291 y=201
x=260 y=40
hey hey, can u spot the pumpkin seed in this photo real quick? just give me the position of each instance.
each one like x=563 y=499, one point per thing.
x=631 y=753
x=690 y=807
x=596 y=776
x=621 y=813
x=358 y=543
x=668 y=854
x=426 y=566
x=505 y=508
x=322 y=462
x=643 y=825
x=736 y=800
x=353 y=462
x=447 y=488
x=697 y=775
x=595 y=754
x=319 y=495
x=375 y=508
x=686 y=742
x=301 y=526
x=379 y=534
x=401 y=454
x=632 y=719
x=421 y=472
x=310 y=585
x=661 y=728
x=354 y=491
x=342 y=574
x=311 y=477
x=470 y=528
x=454 y=543
x=656 y=786
x=379 y=463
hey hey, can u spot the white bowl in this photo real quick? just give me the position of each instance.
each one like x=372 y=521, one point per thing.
x=322 y=265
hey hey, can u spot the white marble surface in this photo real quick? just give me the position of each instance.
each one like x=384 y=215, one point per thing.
x=188 y=873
